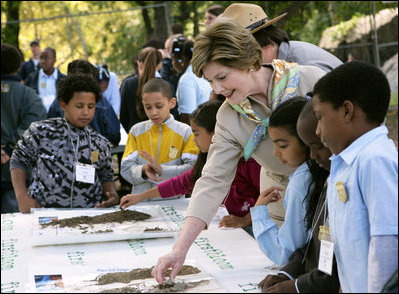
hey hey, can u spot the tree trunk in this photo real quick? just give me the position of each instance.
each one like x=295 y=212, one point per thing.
x=195 y=20
x=331 y=13
x=147 y=21
x=294 y=7
x=11 y=31
x=161 y=31
x=77 y=26
x=184 y=13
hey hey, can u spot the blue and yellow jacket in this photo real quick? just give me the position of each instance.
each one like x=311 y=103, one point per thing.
x=170 y=143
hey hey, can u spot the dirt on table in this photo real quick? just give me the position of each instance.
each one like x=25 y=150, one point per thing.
x=156 y=229
x=113 y=217
x=176 y=287
x=140 y=274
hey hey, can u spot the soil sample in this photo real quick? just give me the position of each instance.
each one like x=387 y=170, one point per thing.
x=176 y=287
x=156 y=229
x=140 y=274
x=113 y=217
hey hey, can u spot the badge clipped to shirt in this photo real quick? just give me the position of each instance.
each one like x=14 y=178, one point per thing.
x=326 y=250
x=43 y=85
x=94 y=156
x=173 y=152
x=85 y=173
x=341 y=191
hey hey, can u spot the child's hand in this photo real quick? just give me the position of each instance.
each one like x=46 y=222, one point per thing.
x=232 y=221
x=271 y=280
x=26 y=203
x=130 y=199
x=112 y=199
x=152 y=169
x=269 y=195
x=151 y=173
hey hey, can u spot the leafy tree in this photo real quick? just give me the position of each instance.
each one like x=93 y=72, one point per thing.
x=116 y=30
x=11 y=31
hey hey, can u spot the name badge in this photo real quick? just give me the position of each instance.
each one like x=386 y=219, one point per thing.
x=85 y=173
x=326 y=256
x=94 y=156
x=341 y=191
x=173 y=152
x=324 y=233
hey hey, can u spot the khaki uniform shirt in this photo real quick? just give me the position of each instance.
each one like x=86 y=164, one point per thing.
x=232 y=132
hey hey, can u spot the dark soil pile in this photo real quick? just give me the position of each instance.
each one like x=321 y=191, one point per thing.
x=156 y=229
x=113 y=217
x=176 y=287
x=139 y=274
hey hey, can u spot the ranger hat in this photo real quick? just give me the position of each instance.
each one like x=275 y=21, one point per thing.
x=250 y=16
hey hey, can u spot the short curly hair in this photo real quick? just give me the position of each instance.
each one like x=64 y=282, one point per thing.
x=77 y=82
x=10 y=59
x=360 y=82
x=225 y=41
x=82 y=66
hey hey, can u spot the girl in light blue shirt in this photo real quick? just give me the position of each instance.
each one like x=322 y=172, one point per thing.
x=303 y=190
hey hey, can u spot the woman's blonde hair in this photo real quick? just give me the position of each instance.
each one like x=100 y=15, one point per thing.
x=225 y=41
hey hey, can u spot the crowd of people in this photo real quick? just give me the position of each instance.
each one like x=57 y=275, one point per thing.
x=282 y=134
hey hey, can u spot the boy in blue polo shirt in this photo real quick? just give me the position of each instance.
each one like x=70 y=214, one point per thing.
x=350 y=104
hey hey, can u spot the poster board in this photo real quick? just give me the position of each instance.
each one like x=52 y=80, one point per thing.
x=157 y=226
x=111 y=280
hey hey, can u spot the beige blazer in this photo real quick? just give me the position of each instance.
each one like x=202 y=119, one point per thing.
x=232 y=132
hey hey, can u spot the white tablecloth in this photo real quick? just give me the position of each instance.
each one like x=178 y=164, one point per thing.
x=231 y=256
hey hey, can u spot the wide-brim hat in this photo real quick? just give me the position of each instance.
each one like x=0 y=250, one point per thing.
x=250 y=16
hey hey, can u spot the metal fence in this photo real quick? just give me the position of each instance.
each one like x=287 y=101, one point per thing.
x=373 y=39
x=376 y=54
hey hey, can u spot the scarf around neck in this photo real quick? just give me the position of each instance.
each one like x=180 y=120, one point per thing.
x=285 y=84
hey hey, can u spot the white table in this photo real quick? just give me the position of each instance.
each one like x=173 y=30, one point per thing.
x=231 y=256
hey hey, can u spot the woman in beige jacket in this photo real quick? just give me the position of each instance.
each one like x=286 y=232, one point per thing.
x=229 y=57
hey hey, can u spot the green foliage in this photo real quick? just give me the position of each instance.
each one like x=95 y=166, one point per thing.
x=118 y=36
x=394 y=99
x=344 y=28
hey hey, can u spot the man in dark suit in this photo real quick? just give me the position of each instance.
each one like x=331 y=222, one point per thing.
x=33 y=63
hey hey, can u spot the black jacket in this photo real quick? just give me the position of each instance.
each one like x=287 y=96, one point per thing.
x=27 y=68
x=128 y=114
x=20 y=106
x=33 y=80
x=310 y=279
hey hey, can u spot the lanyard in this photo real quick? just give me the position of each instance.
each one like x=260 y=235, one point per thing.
x=314 y=223
x=75 y=151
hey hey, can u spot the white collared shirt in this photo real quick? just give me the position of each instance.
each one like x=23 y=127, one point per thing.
x=47 y=87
